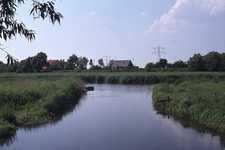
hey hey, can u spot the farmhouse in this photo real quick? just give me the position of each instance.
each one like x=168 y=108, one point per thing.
x=122 y=64
x=50 y=62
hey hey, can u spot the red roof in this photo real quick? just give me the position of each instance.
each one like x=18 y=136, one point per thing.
x=51 y=61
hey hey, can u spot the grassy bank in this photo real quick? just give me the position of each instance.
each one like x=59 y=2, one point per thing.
x=122 y=77
x=32 y=97
x=203 y=102
x=33 y=100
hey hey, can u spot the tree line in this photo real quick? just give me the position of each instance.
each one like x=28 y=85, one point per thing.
x=212 y=61
x=40 y=63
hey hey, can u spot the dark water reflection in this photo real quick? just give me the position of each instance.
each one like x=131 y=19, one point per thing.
x=115 y=117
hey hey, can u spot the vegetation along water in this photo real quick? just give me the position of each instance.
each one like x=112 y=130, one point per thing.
x=34 y=101
x=33 y=98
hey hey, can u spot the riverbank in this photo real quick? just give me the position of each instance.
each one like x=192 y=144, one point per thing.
x=203 y=102
x=120 y=77
x=34 y=101
x=33 y=97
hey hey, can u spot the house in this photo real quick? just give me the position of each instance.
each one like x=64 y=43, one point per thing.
x=50 y=62
x=122 y=64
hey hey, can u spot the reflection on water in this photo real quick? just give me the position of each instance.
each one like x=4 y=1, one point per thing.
x=198 y=128
x=8 y=141
x=115 y=117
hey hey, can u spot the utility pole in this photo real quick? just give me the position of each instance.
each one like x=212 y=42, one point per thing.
x=158 y=52
x=106 y=59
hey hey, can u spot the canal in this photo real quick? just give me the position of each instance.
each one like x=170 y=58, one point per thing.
x=114 y=117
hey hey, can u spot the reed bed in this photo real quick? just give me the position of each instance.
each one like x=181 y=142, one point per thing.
x=121 y=77
x=32 y=97
x=33 y=101
x=203 y=102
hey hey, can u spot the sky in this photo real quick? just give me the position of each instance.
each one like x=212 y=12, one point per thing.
x=124 y=30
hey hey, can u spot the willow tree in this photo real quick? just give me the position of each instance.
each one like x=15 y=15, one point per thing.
x=10 y=27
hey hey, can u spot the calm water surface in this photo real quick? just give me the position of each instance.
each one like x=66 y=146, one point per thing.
x=113 y=117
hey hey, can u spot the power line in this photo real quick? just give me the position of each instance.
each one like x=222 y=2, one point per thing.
x=106 y=59
x=159 y=52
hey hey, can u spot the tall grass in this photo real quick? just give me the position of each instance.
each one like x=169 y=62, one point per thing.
x=32 y=101
x=203 y=102
x=122 y=77
x=33 y=97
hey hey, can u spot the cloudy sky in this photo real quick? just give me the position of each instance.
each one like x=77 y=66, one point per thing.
x=125 y=30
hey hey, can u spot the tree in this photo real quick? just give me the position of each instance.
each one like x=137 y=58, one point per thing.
x=57 y=65
x=179 y=64
x=25 y=66
x=9 y=25
x=72 y=62
x=212 y=61
x=39 y=61
x=196 y=63
x=222 y=62
x=91 y=62
x=149 y=66
x=110 y=63
x=161 y=64
x=100 y=62
x=83 y=63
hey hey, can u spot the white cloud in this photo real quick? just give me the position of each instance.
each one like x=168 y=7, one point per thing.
x=188 y=13
x=144 y=14
x=92 y=13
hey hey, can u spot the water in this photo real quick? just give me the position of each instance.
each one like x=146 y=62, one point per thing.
x=114 y=117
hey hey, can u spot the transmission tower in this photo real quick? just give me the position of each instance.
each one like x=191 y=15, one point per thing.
x=159 y=51
x=106 y=59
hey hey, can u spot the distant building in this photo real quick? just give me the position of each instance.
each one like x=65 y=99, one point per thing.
x=122 y=64
x=50 y=62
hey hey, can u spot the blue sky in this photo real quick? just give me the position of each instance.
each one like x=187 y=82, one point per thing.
x=124 y=30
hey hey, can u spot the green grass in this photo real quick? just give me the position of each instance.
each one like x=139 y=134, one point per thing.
x=121 y=77
x=200 y=101
x=32 y=97
x=34 y=100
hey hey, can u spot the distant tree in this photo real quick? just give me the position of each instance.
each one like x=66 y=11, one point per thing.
x=222 y=62
x=212 y=61
x=196 y=63
x=169 y=65
x=161 y=64
x=25 y=66
x=100 y=62
x=57 y=65
x=83 y=63
x=72 y=62
x=91 y=62
x=10 y=27
x=3 y=67
x=110 y=64
x=179 y=64
x=95 y=67
x=39 y=61
x=149 y=66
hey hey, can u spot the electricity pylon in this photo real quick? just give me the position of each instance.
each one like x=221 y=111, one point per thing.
x=106 y=62
x=159 y=51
